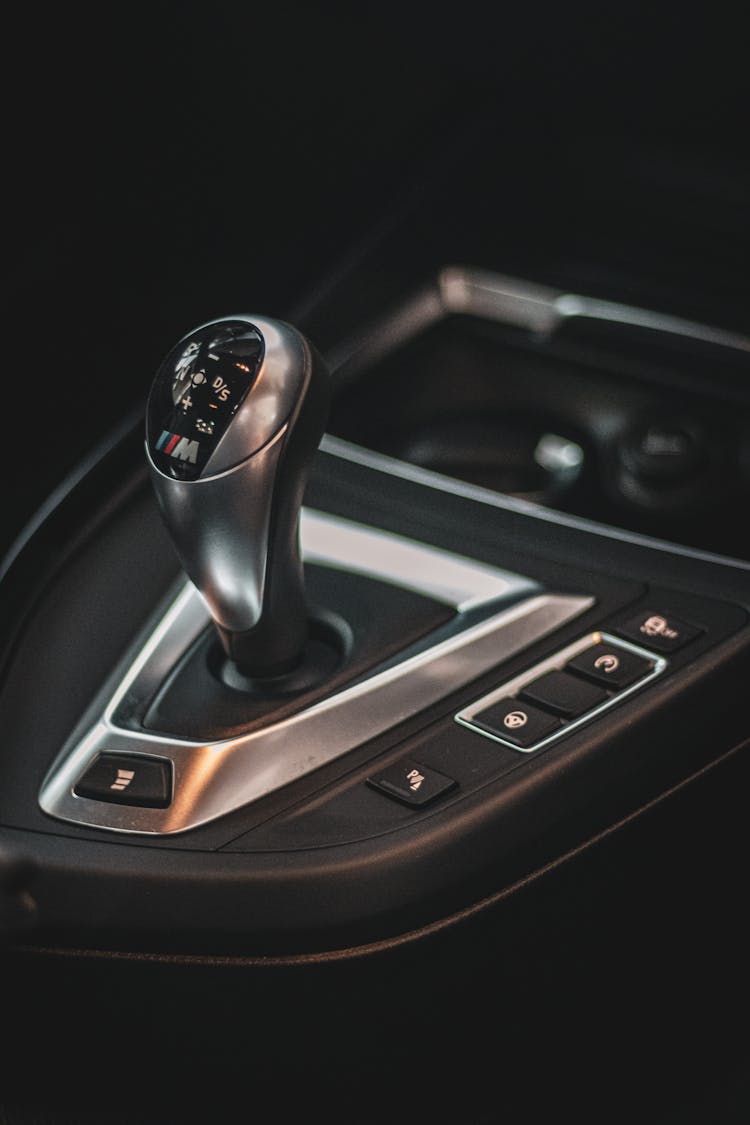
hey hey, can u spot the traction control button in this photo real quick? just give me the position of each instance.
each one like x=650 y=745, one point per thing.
x=516 y=722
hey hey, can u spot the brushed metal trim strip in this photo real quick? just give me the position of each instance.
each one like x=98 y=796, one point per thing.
x=543 y=309
x=540 y=309
x=442 y=575
x=215 y=778
x=382 y=463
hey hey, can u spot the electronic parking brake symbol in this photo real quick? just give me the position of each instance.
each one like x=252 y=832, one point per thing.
x=607 y=662
x=515 y=719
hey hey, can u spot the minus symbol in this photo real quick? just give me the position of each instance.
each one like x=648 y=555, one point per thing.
x=212 y=356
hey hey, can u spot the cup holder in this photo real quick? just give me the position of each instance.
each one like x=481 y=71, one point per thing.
x=521 y=457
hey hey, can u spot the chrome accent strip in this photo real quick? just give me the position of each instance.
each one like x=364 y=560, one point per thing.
x=329 y=541
x=558 y=662
x=452 y=579
x=215 y=778
x=521 y=304
x=543 y=309
x=382 y=463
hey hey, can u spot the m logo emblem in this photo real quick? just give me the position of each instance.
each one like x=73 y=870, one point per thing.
x=179 y=447
x=186 y=450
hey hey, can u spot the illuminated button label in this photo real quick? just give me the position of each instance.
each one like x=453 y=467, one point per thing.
x=127 y=779
x=515 y=719
x=610 y=666
x=412 y=783
x=517 y=722
x=660 y=631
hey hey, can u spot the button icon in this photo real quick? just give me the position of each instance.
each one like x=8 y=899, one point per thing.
x=127 y=779
x=413 y=784
x=665 y=632
x=415 y=779
x=519 y=723
x=123 y=779
x=612 y=667
x=657 y=626
x=515 y=719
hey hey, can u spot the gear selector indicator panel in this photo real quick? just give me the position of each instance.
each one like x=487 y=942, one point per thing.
x=200 y=386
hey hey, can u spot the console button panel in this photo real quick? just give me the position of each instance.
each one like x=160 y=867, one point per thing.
x=562 y=692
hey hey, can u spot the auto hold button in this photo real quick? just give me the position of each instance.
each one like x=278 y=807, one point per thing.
x=658 y=630
x=128 y=779
x=516 y=722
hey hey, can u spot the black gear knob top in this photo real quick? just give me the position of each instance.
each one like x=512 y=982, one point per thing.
x=235 y=414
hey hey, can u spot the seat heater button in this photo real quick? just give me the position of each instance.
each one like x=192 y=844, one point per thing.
x=128 y=779
x=517 y=722
x=566 y=695
x=659 y=631
x=412 y=783
x=611 y=666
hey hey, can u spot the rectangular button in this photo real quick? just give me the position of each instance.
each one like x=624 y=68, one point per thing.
x=611 y=666
x=662 y=632
x=128 y=779
x=412 y=783
x=517 y=722
x=566 y=695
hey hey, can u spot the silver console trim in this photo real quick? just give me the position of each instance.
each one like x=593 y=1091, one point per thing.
x=448 y=578
x=556 y=663
x=540 y=309
x=382 y=463
x=544 y=309
x=215 y=778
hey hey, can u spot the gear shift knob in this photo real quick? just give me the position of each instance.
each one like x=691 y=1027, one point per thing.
x=234 y=417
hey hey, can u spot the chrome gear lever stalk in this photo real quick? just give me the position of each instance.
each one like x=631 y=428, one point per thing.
x=234 y=417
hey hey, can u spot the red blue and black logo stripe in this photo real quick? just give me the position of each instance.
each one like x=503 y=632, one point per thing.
x=167 y=441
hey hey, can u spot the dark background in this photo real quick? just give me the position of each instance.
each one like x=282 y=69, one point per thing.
x=169 y=166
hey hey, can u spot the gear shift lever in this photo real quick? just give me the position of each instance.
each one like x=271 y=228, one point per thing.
x=235 y=414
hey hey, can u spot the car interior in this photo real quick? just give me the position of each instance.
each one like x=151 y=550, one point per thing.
x=375 y=580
